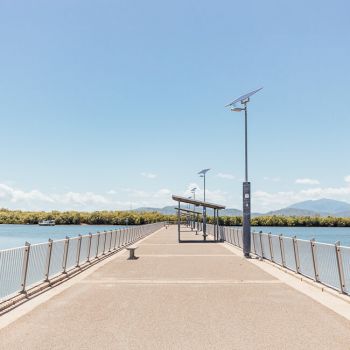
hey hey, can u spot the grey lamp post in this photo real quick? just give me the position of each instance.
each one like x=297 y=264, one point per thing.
x=188 y=214
x=202 y=174
x=246 y=185
x=193 y=191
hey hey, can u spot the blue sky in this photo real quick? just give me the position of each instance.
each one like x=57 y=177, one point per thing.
x=113 y=104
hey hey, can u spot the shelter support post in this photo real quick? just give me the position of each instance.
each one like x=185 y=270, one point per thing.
x=178 y=223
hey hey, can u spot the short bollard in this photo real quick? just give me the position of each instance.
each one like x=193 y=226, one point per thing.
x=132 y=253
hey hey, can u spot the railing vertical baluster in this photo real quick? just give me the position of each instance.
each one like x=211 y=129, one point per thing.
x=98 y=243
x=110 y=241
x=104 y=243
x=253 y=239
x=340 y=267
x=296 y=254
x=89 y=250
x=119 y=238
x=314 y=259
x=270 y=245
x=115 y=240
x=123 y=237
x=48 y=260
x=261 y=245
x=283 y=257
x=65 y=255
x=78 y=250
x=25 y=266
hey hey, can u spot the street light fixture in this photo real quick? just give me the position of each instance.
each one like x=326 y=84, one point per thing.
x=202 y=174
x=246 y=185
x=193 y=191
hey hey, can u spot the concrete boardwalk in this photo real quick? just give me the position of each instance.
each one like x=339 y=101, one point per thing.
x=178 y=296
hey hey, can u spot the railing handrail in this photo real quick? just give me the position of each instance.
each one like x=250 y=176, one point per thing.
x=23 y=268
x=325 y=263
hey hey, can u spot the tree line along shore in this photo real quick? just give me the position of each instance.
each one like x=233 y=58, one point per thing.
x=139 y=218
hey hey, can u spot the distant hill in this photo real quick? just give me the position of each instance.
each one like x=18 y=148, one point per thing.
x=292 y=212
x=169 y=210
x=323 y=206
x=319 y=207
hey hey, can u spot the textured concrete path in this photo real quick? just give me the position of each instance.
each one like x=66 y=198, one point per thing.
x=178 y=296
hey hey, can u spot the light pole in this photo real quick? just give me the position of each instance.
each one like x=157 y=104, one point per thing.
x=202 y=174
x=246 y=185
x=193 y=191
x=188 y=214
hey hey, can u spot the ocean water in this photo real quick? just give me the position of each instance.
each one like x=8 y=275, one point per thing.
x=12 y=236
x=321 y=234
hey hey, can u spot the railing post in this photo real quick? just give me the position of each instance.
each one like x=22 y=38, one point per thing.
x=104 y=243
x=340 y=267
x=296 y=254
x=123 y=236
x=89 y=250
x=25 y=266
x=270 y=245
x=120 y=236
x=98 y=243
x=233 y=235
x=48 y=260
x=314 y=258
x=65 y=254
x=79 y=249
x=115 y=240
x=110 y=241
x=283 y=258
x=253 y=239
x=261 y=245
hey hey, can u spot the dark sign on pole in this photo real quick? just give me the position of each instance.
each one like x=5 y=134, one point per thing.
x=246 y=218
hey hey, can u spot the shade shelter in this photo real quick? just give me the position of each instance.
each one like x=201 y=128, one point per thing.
x=191 y=213
x=204 y=205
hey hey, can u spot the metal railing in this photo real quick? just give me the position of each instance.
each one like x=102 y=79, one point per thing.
x=24 y=268
x=328 y=264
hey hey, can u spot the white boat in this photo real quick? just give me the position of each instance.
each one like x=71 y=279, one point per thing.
x=47 y=223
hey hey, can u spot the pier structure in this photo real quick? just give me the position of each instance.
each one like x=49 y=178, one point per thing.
x=195 y=222
x=180 y=296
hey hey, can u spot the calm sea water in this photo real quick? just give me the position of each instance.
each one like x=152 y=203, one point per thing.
x=16 y=235
x=321 y=234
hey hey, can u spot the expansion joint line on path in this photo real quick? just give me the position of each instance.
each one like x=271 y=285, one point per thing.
x=144 y=281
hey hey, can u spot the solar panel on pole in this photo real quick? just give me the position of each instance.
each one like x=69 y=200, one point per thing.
x=243 y=97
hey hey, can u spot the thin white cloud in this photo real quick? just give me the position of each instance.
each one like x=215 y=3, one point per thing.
x=122 y=199
x=83 y=199
x=148 y=175
x=163 y=192
x=306 y=181
x=132 y=192
x=226 y=176
x=266 y=201
x=274 y=179
x=347 y=178
x=216 y=196
x=8 y=193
